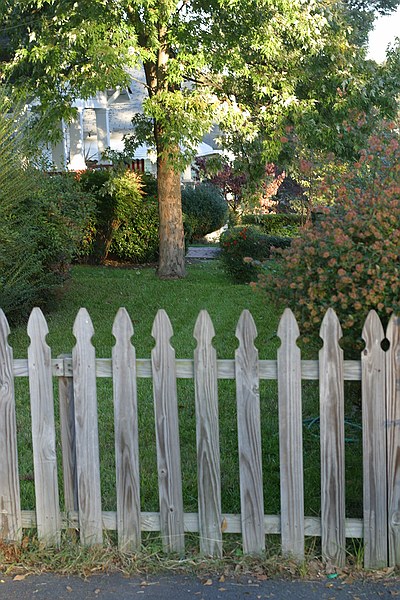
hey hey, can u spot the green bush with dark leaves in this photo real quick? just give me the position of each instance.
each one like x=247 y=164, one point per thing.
x=126 y=226
x=42 y=221
x=205 y=209
x=242 y=248
x=63 y=213
x=281 y=224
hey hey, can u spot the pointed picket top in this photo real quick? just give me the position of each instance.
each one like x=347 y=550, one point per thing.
x=122 y=326
x=330 y=326
x=162 y=328
x=246 y=330
x=372 y=333
x=43 y=431
x=83 y=327
x=37 y=326
x=373 y=387
x=204 y=330
x=288 y=329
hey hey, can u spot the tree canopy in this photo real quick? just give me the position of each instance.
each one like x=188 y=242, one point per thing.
x=249 y=64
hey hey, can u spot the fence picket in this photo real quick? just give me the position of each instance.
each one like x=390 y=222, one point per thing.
x=67 y=426
x=126 y=434
x=249 y=436
x=10 y=508
x=290 y=438
x=393 y=437
x=379 y=372
x=43 y=431
x=86 y=428
x=374 y=444
x=207 y=435
x=167 y=435
x=332 y=441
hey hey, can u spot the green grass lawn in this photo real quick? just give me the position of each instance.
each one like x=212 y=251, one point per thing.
x=102 y=290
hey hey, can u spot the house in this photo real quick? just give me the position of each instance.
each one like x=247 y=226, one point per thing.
x=101 y=123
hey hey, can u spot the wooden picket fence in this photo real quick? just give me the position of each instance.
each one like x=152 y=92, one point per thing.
x=378 y=370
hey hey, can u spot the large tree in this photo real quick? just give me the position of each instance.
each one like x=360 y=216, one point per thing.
x=197 y=55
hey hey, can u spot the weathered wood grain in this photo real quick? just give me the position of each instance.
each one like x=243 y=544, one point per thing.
x=67 y=426
x=184 y=368
x=374 y=444
x=233 y=523
x=43 y=431
x=86 y=431
x=10 y=507
x=332 y=442
x=393 y=437
x=126 y=434
x=249 y=436
x=290 y=438
x=167 y=435
x=207 y=436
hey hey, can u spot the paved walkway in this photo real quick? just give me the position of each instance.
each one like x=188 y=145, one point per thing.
x=180 y=587
x=203 y=252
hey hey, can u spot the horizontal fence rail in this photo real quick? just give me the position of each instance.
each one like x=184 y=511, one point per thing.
x=77 y=373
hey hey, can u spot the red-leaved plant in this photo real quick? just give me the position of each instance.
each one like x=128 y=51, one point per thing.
x=349 y=258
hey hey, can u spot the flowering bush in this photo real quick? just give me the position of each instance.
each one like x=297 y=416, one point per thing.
x=241 y=246
x=348 y=259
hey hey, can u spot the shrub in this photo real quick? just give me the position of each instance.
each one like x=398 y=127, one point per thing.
x=41 y=223
x=63 y=213
x=205 y=209
x=348 y=259
x=282 y=224
x=126 y=227
x=239 y=245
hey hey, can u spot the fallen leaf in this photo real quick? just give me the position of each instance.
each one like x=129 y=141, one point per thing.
x=224 y=525
x=207 y=582
x=97 y=591
x=68 y=588
x=222 y=579
x=221 y=589
x=262 y=577
x=20 y=577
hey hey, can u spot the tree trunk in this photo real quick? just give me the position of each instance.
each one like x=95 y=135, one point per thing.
x=171 y=234
x=172 y=243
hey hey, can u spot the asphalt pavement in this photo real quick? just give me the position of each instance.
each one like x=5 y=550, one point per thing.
x=181 y=587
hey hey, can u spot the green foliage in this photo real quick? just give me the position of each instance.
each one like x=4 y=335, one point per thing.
x=205 y=209
x=253 y=67
x=348 y=259
x=282 y=224
x=63 y=212
x=241 y=246
x=41 y=222
x=126 y=225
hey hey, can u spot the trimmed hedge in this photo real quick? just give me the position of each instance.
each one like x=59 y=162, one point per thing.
x=205 y=209
x=282 y=225
x=240 y=246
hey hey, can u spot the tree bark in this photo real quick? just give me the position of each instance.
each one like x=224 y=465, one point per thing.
x=171 y=233
x=172 y=243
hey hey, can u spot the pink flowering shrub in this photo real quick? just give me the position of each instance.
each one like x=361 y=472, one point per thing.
x=349 y=258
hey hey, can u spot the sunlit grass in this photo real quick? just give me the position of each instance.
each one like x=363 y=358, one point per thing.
x=102 y=290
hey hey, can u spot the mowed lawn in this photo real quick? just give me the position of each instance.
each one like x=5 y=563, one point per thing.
x=102 y=290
